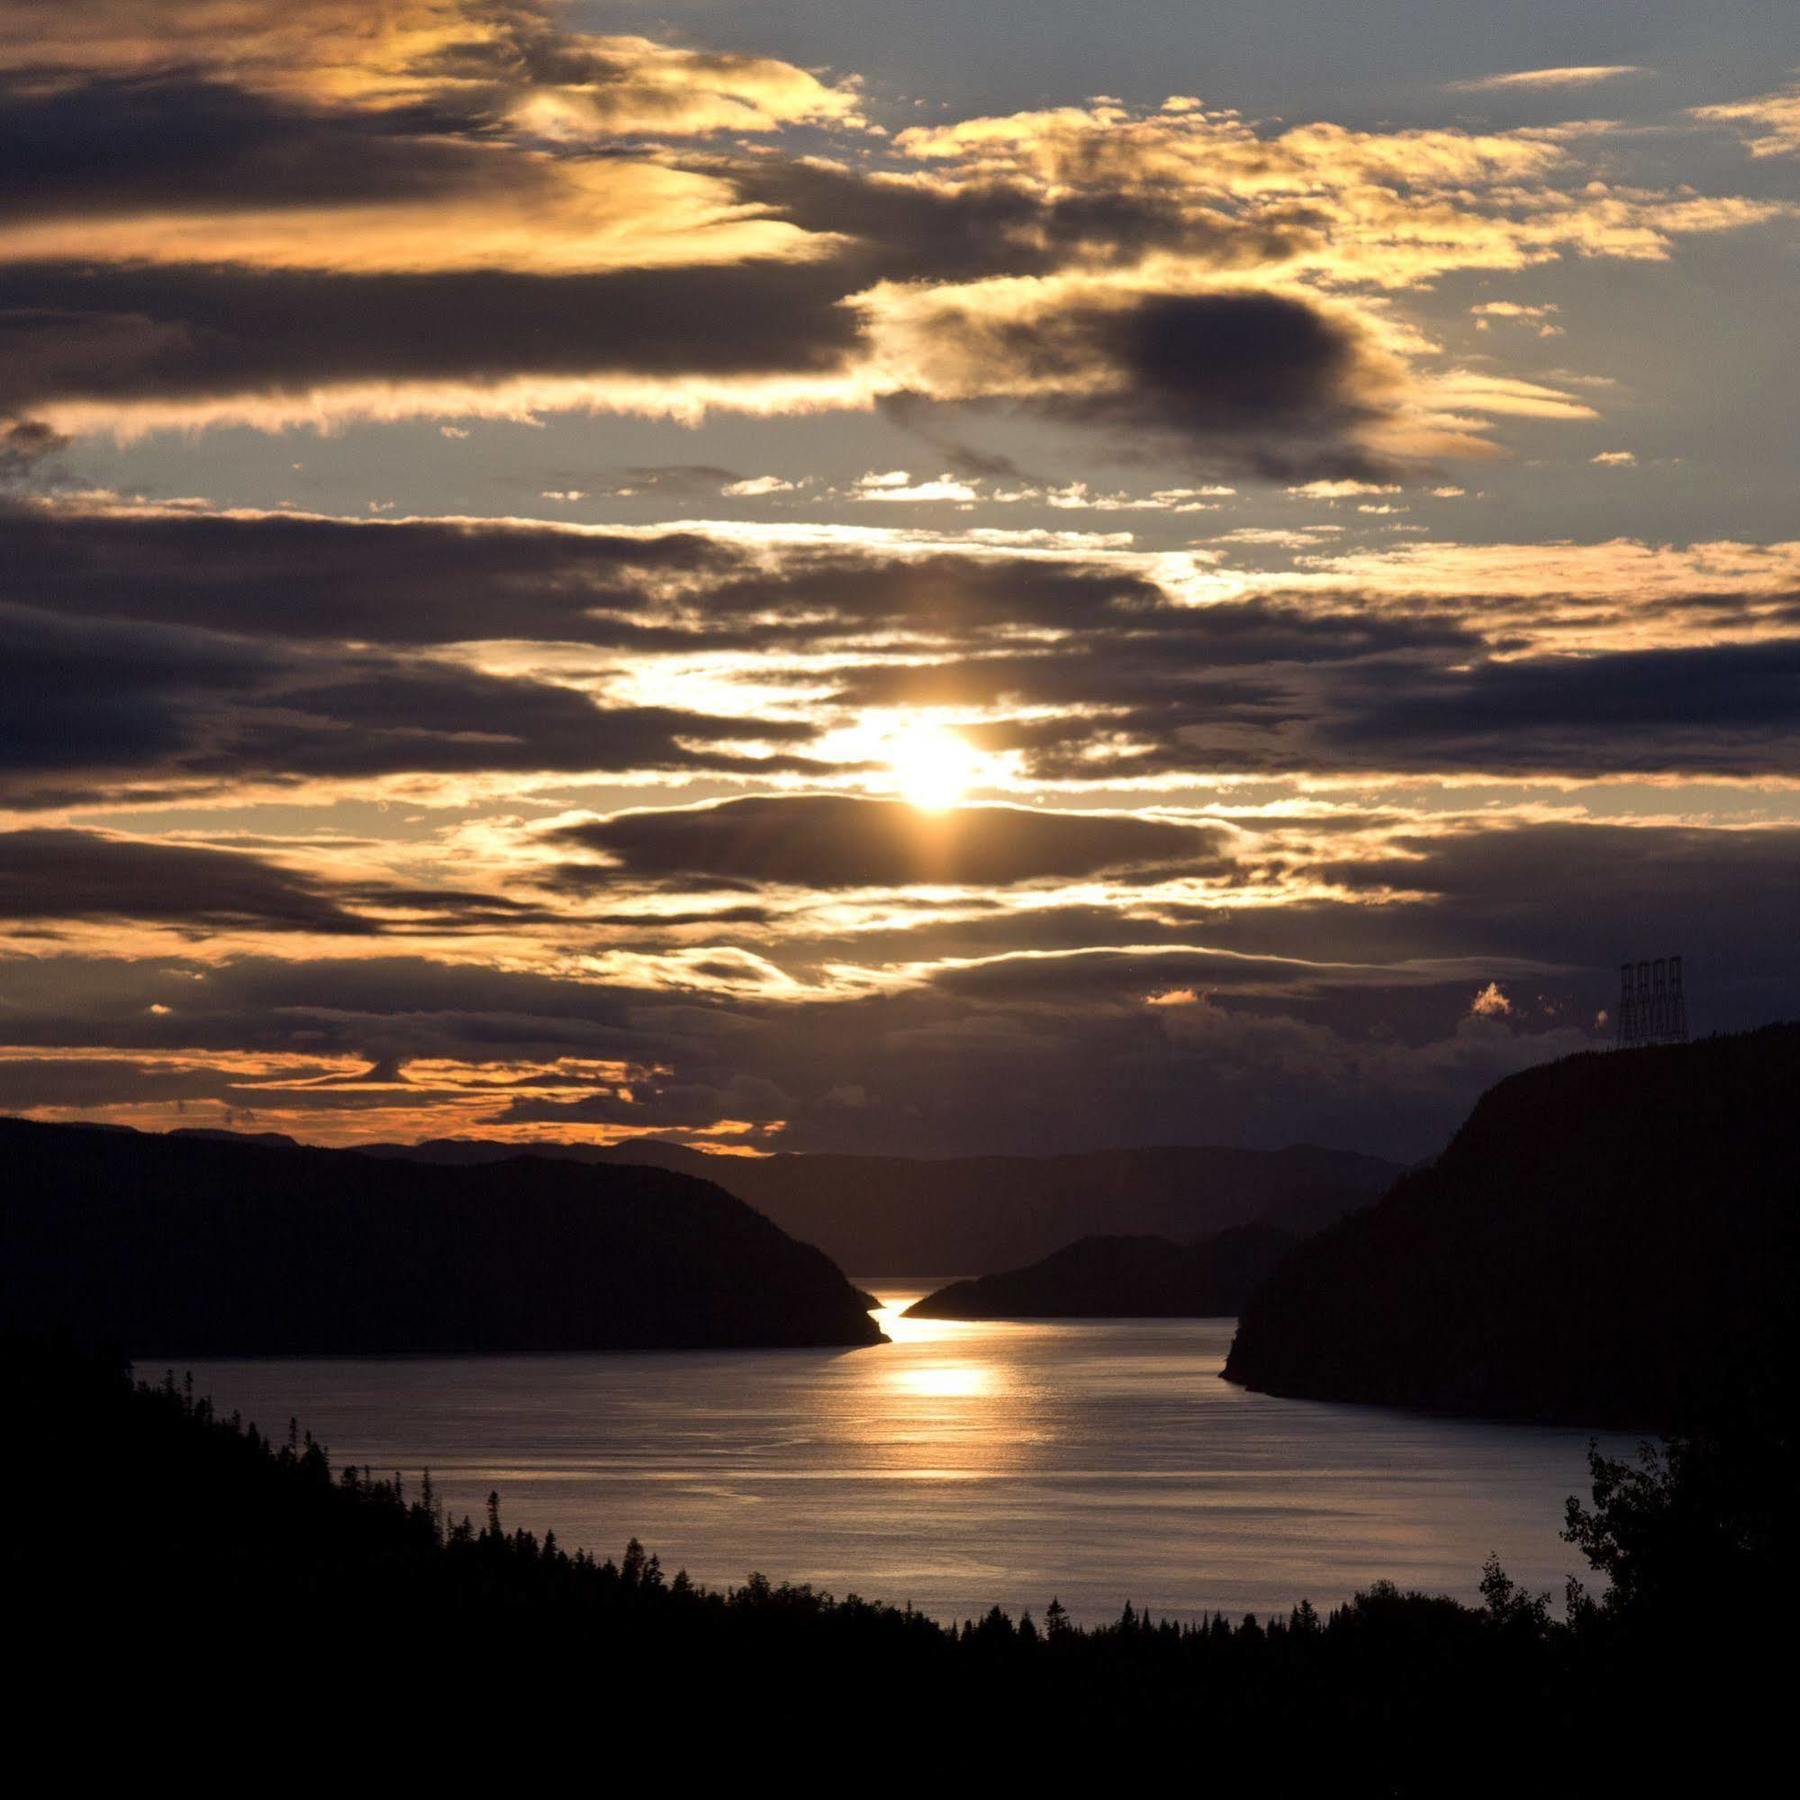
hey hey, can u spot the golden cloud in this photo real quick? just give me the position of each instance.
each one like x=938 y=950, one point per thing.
x=1577 y=75
x=1389 y=209
x=538 y=215
x=547 y=79
x=1770 y=124
x=1180 y=274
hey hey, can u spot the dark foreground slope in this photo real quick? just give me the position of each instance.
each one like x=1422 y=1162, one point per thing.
x=198 y=1600
x=1119 y=1278
x=197 y=1247
x=897 y=1215
x=1609 y=1239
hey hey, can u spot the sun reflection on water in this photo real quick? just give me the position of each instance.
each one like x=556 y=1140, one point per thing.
x=931 y=1358
x=946 y=1380
x=891 y=1317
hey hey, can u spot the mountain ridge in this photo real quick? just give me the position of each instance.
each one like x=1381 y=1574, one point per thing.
x=196 y=1246
x=894 y=1215
x=1608 y=1240
x=1121 y=1277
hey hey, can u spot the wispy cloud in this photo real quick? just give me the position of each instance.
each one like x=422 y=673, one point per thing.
x=1577 y=75
x=1770 y=124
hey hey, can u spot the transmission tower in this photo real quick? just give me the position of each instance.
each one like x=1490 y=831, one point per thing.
x=1652 y=1003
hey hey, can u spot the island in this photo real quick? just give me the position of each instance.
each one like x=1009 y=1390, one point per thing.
x=1120 y=1277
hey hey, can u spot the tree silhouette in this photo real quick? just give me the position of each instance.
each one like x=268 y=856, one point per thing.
x=257 y=1572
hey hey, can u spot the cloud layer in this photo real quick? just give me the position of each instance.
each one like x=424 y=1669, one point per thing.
x=272 y=214
x=1122 y=655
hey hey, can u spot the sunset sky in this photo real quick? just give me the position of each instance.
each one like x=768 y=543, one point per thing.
x=917 y=578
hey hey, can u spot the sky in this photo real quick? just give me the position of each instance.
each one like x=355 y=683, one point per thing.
x=917 y=579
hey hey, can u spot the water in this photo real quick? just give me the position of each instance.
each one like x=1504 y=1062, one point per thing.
x=961 y=1465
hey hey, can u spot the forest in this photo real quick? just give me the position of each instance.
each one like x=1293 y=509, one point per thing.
x=186 y=1554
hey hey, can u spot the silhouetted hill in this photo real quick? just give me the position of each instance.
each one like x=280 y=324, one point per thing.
x=1609 y=1239
x=197 y=1246
x=270 y=1140
x=1121 y=1277
x=897 y=1215
x=468 y=1153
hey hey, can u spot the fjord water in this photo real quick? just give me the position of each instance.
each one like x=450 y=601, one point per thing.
x=964 y=1464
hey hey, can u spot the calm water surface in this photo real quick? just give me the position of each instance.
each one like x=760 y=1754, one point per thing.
x=960 y=1465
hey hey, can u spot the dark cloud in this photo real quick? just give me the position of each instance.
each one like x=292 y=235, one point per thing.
x=833 y=841
x=1248 y=382
x=405 y=582
x=1203 y=365
x=25 y=445
x=83 y=697
x=1272 y=689
x=948 y=598
x=1723 y=709
x=1551 y=909
x=1596 y=894
x=663 y=920
x=424 y=581
x=443 y=911
x=160 y=144
x=916 y=414
x=1270 y=384
x=365 y=1006
x=153 y=121
x=50 y=875
x=620 y=84
x=1319 y=985
x=28 y=1082
x=379 y=715
x=1120 y=677
x=1558 y=905
x=102 y=332
x=1346 y=1022
x=92 y=703
x=965 y=231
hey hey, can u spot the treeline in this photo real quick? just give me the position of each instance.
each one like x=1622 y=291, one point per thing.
x=166 y=1547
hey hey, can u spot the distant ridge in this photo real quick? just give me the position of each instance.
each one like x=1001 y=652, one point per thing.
x=897 y=1215
x=268 y=1140
x=199 y=1245
x=1608 y=1240
x=1121 y=1277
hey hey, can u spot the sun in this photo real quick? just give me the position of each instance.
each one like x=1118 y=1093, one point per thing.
x=933 y=766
